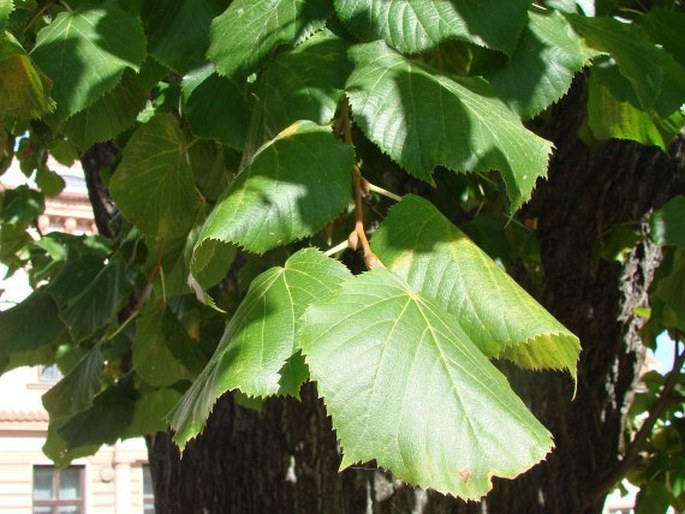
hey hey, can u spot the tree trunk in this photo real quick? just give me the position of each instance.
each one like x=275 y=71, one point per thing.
x=284 y=459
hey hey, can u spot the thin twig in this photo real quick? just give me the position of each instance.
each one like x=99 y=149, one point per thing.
x=337 y=248
x=383 y=192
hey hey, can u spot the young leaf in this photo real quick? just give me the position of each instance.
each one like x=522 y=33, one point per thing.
x=153 y=185
x=414 y=25
x=668 y=223
x=85 y=53
x=260 y=337
x=293 y=186
x=542 y=67
x=424 y=119
x=242 y=37
x=454 y=422
x=441 y=262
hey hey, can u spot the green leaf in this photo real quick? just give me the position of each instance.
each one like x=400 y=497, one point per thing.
x=242 y=37
x=609 y=117
x=667 y=224
x=454 y=422
x=23 y=88
x=178 y=32
x=304 y=83
x=653 y=498
x=163 y=353
x=668 y=297
x=85 y=54
x=153 y=184
x=217 y=108
x=666 y=27
x=441 y=262
x=543 y=65
x=110 y=115
x=149 y=415
x=19 y=331
x=6 y=7
x=293 y=186
x=414 y=25
x=423 y=119
x=260 y=338
x=658 y=81
x=50 y=182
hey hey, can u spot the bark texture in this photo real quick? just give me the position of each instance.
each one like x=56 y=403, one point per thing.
x=284 y=459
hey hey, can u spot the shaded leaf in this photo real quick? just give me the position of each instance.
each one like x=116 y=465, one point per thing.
x=293 y=186
x=415 y=25
x=19 y=331
x=304 y=83
x=85 y=55
x=150 y=410
x=423 y=119
x=153 y=185
x=178 y=32
x=441 y=262
x=667 y=224
x=543 y=65
x=110 y=115
x=242 y=37
x=375 y=339
x=6 y=7
x=163 y=353
x=217 y=108
x=260 y=338
x=666 y=27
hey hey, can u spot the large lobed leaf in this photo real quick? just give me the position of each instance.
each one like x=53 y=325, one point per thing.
x=437 y=259
x=423 y=119
x=153 y=185
x=85 y=54
x=404 y=385
x=260 y=337
x=242 y=37
x=415 y=25
x=293 y=186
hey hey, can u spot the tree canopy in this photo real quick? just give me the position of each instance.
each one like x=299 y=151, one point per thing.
x=266 y=229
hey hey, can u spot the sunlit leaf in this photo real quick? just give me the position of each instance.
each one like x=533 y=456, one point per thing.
x=423 y=119
x=453 y=422
x=260 y=338
x=415 y=25
x=441 y=262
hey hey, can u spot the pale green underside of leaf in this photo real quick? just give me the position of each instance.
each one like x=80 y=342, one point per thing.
x=178 y=34
x=153 y=185
x=109 y=116
x=84 y=54
x=303 y=83
x=610 y=118
x=242 y=37
x=667 y=227
x=441 y=262
x=423 y=119
x=452 y=423
x=415 y=25
x=658 y=81
x=542 y=67
x=293 y=186
x=260 y=337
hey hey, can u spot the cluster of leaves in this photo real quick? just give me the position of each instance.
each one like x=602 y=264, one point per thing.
x=254 y=134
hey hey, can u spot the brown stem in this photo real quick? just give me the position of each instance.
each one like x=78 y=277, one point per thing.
x=343 y=128
x=636 y=445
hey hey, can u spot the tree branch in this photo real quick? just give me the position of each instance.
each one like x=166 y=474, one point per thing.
x=93 y=160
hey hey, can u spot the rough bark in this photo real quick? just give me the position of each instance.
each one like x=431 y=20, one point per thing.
x=284 y=459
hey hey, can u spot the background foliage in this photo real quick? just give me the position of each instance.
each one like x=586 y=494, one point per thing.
x=255 y=136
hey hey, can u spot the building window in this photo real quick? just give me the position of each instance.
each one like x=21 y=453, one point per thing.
x=58 y=491
x=148 y=492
